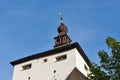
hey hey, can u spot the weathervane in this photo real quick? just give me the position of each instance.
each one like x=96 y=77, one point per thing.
x=61 y=17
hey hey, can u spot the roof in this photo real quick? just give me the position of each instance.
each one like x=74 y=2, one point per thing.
x=51 y=52
x=76 y=75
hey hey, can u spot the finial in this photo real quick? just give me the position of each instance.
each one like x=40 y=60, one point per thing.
x=62 y=39
x=61 y=17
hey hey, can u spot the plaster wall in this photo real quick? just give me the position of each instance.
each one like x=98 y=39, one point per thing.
x=49 y=70
x=80 y=64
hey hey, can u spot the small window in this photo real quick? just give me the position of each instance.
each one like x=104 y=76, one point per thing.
x=54 y=71
x=60 y=58
x=28 y=78
x=25 y=67
x=44 y=60
x=86 y=68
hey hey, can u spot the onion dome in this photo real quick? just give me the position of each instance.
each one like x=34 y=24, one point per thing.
x=62 y=39
x=62 y=29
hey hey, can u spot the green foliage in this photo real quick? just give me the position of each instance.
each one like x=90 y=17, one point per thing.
x=97 y=73
x=109 y=68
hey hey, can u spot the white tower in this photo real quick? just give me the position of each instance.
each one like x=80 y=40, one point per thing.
x=65 y=62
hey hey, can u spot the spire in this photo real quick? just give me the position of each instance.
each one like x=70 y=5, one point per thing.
x=62 y=29
x=62 y=39
x=61 y=17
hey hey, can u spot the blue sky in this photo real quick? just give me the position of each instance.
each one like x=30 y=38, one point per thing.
x=28 y=27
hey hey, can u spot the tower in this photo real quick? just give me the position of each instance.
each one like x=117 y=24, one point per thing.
x=62 y=39
x=67 y=61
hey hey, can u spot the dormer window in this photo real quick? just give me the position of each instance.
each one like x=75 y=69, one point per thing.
x=25 y=67
x=60 y=58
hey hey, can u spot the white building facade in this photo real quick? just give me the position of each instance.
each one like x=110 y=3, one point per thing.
x=65 y=62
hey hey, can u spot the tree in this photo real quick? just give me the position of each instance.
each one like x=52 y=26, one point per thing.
x=109 y=67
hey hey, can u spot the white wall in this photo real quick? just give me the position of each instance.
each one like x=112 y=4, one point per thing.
x=45 y=71
x=80 y=63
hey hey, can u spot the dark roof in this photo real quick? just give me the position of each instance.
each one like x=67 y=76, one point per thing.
x=76 y=75
x=51 y=52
